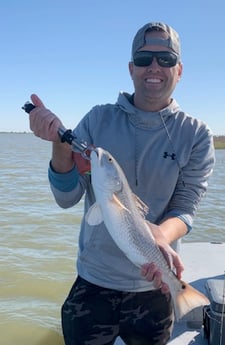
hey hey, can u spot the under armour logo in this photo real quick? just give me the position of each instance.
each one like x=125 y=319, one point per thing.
x=172 y=155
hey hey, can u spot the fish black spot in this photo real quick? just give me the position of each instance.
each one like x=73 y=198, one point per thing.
x=183 y=286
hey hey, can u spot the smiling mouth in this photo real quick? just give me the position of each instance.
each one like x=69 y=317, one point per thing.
x=153 y=80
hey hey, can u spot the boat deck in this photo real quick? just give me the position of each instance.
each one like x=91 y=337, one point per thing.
x=202 y=261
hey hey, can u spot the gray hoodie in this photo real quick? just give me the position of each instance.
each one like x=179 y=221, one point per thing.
x=167 y=157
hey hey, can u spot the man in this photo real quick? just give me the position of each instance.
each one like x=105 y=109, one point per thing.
x=167 y=157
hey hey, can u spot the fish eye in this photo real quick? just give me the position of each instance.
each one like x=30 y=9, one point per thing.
x=110 y=159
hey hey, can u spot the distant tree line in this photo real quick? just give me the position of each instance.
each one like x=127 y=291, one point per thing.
x=219 y=141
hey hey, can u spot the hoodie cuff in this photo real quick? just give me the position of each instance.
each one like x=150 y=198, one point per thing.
x=64 y=182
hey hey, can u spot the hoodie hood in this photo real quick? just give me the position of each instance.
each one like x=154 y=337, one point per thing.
x=145 y=119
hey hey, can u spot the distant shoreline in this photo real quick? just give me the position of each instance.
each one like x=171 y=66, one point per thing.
x=219 y=140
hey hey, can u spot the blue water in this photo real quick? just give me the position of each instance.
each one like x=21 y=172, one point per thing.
x=39 y=240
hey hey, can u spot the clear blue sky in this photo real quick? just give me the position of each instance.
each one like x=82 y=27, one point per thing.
x=74 y=55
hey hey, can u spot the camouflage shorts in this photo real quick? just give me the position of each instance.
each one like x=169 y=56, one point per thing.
x=92 y=315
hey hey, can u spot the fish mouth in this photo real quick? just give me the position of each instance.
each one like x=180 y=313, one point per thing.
x=95 y=150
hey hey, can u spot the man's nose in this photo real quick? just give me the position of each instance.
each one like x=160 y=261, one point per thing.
x=154 y=65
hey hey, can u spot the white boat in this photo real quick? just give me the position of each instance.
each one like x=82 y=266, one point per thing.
x=204 y=262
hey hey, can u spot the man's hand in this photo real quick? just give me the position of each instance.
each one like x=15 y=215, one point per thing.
x=43 y=122
x=45 y=125
x=83 y=165
x=151 y=272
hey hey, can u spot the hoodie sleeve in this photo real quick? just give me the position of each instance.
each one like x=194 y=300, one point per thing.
x=68 y=188
x=193 y=179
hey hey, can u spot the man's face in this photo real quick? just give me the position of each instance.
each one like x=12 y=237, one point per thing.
x=154 y=84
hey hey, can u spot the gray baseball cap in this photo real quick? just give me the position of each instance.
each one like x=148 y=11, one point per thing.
x=173 y=41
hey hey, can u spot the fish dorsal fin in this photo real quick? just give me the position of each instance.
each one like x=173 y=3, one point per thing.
x=94 y=215
x=141 y=206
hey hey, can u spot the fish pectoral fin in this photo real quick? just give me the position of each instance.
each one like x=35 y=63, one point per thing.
x=94 y=215
x=119 y=203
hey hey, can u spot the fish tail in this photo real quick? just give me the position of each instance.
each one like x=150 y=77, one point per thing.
x=187 y=299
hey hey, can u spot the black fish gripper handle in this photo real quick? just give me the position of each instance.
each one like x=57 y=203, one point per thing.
x=67 y=136
x=28 y=107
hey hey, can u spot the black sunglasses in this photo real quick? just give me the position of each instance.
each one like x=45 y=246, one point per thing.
x=143 y=58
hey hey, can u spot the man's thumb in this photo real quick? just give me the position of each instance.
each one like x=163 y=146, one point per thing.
x=36 y=101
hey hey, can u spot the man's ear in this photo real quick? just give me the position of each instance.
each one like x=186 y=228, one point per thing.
x=180 y=70
x=131 y=67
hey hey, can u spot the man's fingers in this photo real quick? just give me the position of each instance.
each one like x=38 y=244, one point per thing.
x=157 y=281
x=167 y=256
x=148 y=271
x=152 y=273
x=173 y=259
x=165 y=288
x=179 y=266
x=45 y=124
